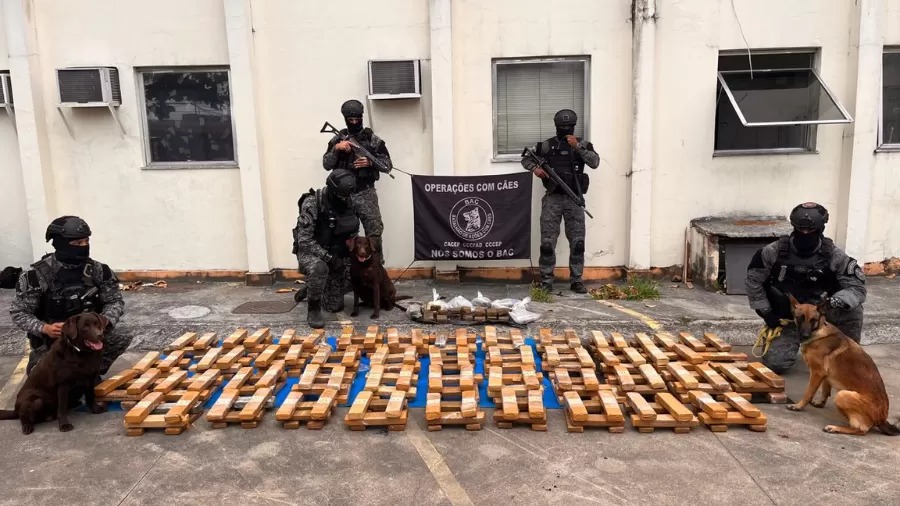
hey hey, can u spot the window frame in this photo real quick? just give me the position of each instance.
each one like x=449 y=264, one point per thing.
x=145 y=127
x=812 y=131
x=882 y=146
x=585 y=60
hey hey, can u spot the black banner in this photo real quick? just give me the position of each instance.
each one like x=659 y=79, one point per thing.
x=472 y=217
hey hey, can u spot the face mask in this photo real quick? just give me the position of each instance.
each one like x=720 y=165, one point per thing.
x=70 y=254
x=806 y=244
x=354 y=128
x=562 y=132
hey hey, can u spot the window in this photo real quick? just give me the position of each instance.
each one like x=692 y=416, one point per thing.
x=527 y=93
x=188 y=117
x=775 y=106
x=890 y=99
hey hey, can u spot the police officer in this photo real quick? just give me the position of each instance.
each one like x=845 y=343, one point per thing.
x=328 y=218
x=567 y=155
x=339 y=155
x=810 y=267
x=63 y=284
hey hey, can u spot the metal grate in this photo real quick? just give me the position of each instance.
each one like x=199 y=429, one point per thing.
x=265 y=307
x=394 y=77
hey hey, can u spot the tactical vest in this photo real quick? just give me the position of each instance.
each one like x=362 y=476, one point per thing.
x=566 y=163
x=334 y=227
x=69 y=292
x=806 y=278
x=365 y=176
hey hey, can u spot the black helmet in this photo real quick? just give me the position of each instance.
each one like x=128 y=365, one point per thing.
x=565 y=117
x=352 y=109
x=342 y=182
x=809 y=215
x=68 y=227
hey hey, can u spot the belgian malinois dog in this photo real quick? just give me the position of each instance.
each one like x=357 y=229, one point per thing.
x=836 y=361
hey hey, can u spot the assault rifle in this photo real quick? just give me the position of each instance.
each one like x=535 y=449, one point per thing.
x=357 y=148
x=579 y=199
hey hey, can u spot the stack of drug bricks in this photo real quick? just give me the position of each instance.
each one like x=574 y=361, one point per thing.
x=466 y=314
x=390 y=383
x=635 y=376
x=453 y=384
x=514 y=383
x=701 y=373
x=324 y=384
x=159 y=392
x=249 y=390
x=574 y=377
x=367 y=343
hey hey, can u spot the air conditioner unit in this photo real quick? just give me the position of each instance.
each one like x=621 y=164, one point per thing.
x=89 y=87
x=394 y=79
x=6 y=96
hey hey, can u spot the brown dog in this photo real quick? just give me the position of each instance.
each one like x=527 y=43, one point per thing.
x=837 y=361
x=63 y=375
x=370 y=281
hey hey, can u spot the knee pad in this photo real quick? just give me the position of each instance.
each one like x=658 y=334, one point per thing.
x=578 y=247
x=546 y=248
x=320 y=269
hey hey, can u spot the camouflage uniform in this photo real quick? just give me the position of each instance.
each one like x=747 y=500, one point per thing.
x=365 y=199
x=556 y=205
x=329 y=287
x=32 y=292
x=769 y=280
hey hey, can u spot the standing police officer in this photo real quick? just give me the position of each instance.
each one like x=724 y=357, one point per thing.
x=328 y=218
x=567 y=155
x=64 y=284
x=810 y=267
x=339 y=155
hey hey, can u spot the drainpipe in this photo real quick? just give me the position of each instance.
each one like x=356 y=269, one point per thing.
x=642 y=88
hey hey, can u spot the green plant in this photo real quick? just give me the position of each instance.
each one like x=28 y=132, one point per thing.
x=538 y=294
x=635 y=289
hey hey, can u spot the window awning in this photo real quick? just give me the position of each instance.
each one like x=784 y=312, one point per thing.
x=782 y=97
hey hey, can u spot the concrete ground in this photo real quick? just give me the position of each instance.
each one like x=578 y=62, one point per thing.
x=794 y=461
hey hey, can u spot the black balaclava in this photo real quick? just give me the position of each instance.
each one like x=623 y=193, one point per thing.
x=811 y=217
x=352 y=109
x=63 y=231
x=565 y=121
x=806 y=244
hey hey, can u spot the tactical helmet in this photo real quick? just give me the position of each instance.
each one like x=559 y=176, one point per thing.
x=809 y=215
x=68 y=227
x=565 y=117
x=342 y=182
x=352 y=109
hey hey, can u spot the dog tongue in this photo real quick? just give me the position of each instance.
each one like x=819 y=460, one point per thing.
x=94 y=345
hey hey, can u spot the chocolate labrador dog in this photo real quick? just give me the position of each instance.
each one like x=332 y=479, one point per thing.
x=63 y=375
x=371 y=282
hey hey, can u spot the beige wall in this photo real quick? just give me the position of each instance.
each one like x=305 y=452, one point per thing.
x=142 y=219
x=688 y=181
x=309 y=60
x=511 y=28
x=15 y=245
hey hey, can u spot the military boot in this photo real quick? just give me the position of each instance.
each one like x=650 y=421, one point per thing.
x=547 y=287
x=314 y=314
x=578 y=287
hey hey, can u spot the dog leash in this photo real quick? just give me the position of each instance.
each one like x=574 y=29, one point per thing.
x=766 y=336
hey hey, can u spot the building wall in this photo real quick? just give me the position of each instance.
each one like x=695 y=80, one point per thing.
x=15 y=246
x=308 y=61
x=483 y=31
x=884 y=214
x=142 y=219
x=688 y=181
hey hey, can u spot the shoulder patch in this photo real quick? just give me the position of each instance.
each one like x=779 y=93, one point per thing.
x=32 y=278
